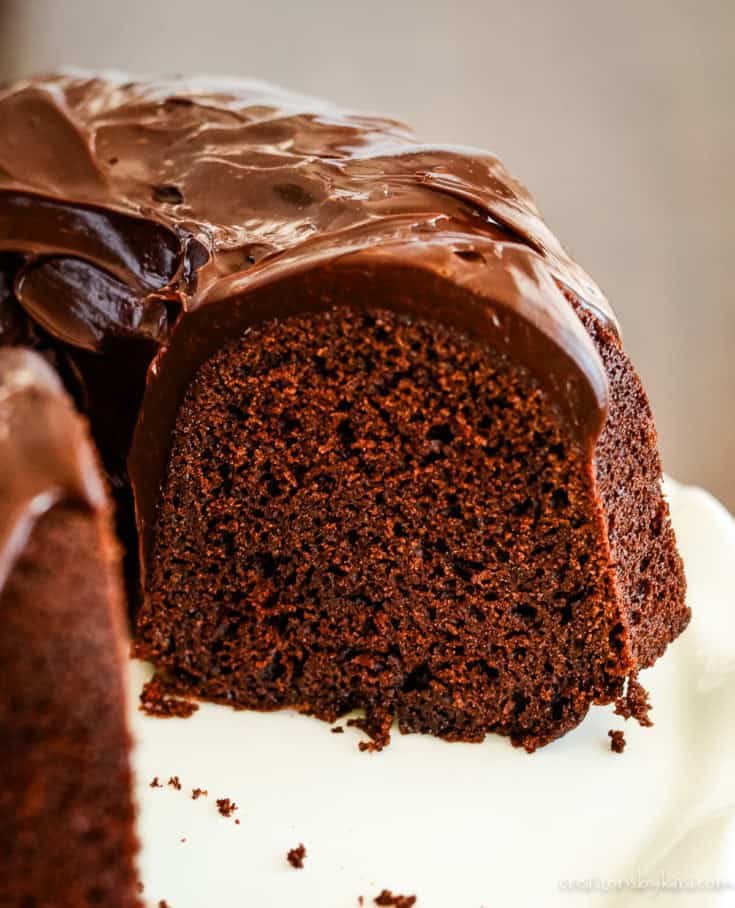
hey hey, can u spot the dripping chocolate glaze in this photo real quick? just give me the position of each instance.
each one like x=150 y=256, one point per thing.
x=157 y=219
x=45 y=457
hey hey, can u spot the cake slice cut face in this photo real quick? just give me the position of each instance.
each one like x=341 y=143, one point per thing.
x=368 y=510
x=66 y=814
x=386 y=450
x=364 y=510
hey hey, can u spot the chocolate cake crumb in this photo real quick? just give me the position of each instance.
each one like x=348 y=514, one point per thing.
x=163 y=904
x=634 y=703
x=386 y=897
x=155 y=783
x=360 y=900
x=617 y=742
x=182 y=839
x=296 y=856
x=156 y=700
x=226 y=807
x=197 y=793
x=377 y=729
x=337 y=730
x=174 y=782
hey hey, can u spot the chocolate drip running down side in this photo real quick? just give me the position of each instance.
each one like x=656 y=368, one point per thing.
x=163 y=217
x=44 y=455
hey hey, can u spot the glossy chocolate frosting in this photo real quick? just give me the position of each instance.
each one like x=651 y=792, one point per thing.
x=45 y=455
x=149 y=222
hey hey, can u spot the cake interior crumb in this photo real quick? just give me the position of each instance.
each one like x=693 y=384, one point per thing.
x=226 y=806
x=295 y=856
x=617 y=741
x=634 y=704
x=387 y=898
x=156 y=699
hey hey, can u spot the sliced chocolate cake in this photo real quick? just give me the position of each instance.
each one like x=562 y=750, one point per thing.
x=390 y=454
x=66 y=815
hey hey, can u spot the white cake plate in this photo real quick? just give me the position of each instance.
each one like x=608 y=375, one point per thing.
x=464 y=825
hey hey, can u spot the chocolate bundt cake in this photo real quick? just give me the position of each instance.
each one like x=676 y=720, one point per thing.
x=66 y=816
x=386 y=449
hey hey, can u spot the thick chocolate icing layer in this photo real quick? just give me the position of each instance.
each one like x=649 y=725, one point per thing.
x=158 y=219
x=246 y=168
x=45 y=456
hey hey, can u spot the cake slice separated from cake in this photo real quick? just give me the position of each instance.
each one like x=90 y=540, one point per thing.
x=368 y=508
x=66 y=814
x=390 y=454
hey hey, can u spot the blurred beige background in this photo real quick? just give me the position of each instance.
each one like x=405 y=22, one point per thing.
x=619 y=116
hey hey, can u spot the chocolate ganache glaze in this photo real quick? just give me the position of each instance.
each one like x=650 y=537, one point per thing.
x=45 y=457
x=143 y=224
